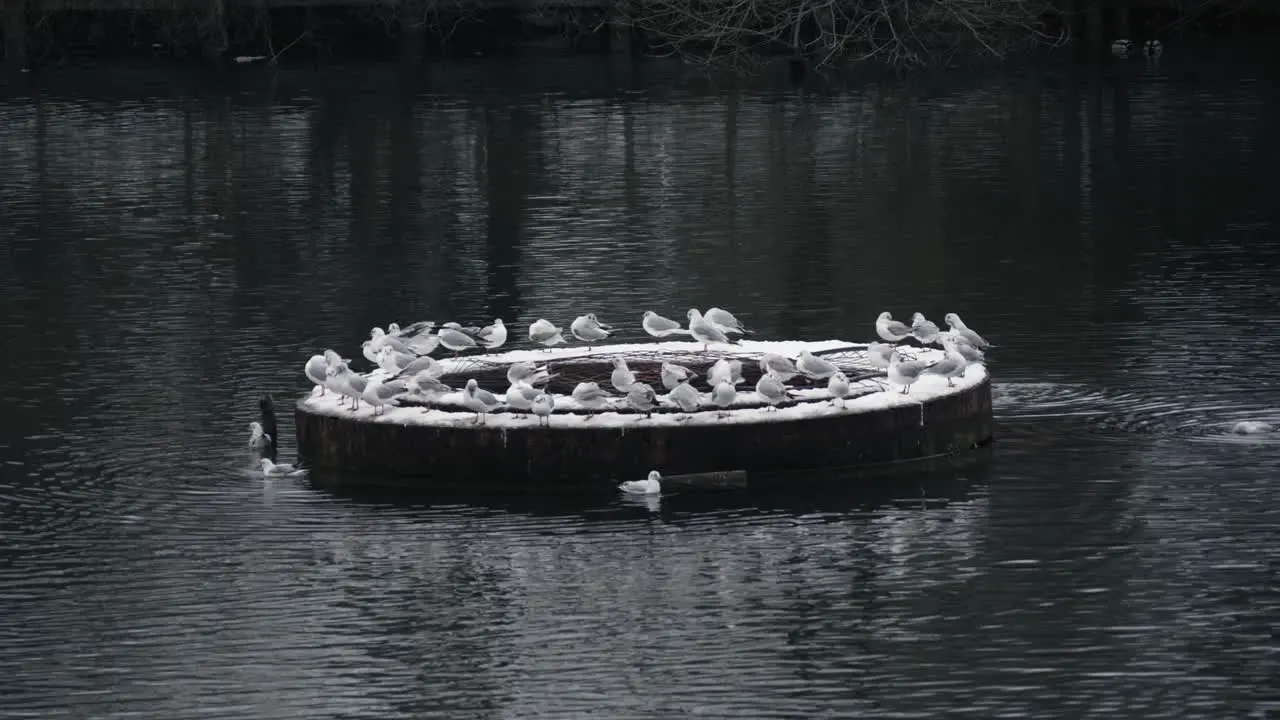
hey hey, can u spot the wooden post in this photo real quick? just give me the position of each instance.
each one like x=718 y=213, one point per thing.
x=14 y=19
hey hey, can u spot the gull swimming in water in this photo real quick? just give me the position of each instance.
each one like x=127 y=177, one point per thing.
x=658 y=326
x=544 y=333
x=879 y=353
x=381 y=393
x=725 y=321
x=905 y=372
x=685 y=396
x=951 y=366
x=456 y=340
x=772 y=390
x=958 y=327
x=478 y=400
x=891 y=330
x=673 y=375
x=642 y=398
x=543 y=405
x=775 y=364
x=704 y=331
x=315 y=370
x=651 y=485
x=621 y=378
x=815 y=367
x=258 y=440
x=520 y=395
x=588 y=329
x=723 y=370
x=492 y=336
x=838 y=386
x=723 y=396
x=589 y=395
x=271 y=469
x=923 y=330
x=528 y=373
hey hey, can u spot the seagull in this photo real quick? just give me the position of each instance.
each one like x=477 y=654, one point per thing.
x=471 y=330
x=342 y=381
x=673 y=375
x=366 y=349
x=878 y=354
x=520 y=395
x=651 y=485
x=381 y=393
x=957 y=326
x=589 y=395
x=456 y=340
x=905 y=372
x=725 y=321
x=723 y=370
x=258 y=440
x=774 y=364
x=891 y=330
x=815 y=367
x=970 y=353
x=528 y=373
x=478 y=400
x=685 y=396
x=621 y=378
x=641 y=397
x=544 y=333
x=952 y=365
x=422 y=364
x=588 y=329
x=492 y=336
x=427 y=385
x=658 y=326
x=355 y=385
x=271 y=469
x=543 y=404
x=378 y=338
x=411 y=329
x=703 y=331
x=771 y=389
x=723 y=395
x=392 y=361
x=923 y=330
x=315 y=370
x=332 y=358
x=838 y=386
x=423 y=344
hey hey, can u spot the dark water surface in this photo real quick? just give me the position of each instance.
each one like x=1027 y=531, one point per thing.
x=171 y=252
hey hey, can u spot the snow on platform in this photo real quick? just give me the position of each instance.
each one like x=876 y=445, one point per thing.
x=872 y=394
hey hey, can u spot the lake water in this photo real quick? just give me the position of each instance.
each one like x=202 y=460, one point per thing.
x=171 y=251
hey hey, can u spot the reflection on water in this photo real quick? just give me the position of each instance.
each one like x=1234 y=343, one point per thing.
x=171 y=252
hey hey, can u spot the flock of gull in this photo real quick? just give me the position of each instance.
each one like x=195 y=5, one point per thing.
x=403 y=354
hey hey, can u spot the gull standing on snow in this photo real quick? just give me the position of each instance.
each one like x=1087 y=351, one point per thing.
x=952 y=365
x=772 y=390
x=838 y=386
x=879 y=353
x=427 y=385
x=725 y=321
x=722 y=370
x=528 y=373
x=589 y=395
x=258 y=440
x=958 y=327
x=673 y=375
x=891 y=330
x=492 y=336
x=520 y=395
x=588 y=329
x=621 y=378
x=422 y=364
x=478 y=400
x=315 y=370
x=905 y=372
x=543 y=405
x=271 y=469
x=775 y=364
x=642 y=398
x=703 y=331
x=658 y=326
x=456 y=340
x=544 y=333
x=723 y=395
x=685 y=396
x=923 y=330
x=381 y=393
x=378 y=338
x=952 y=341
x=651 y=485
x=815 y=367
